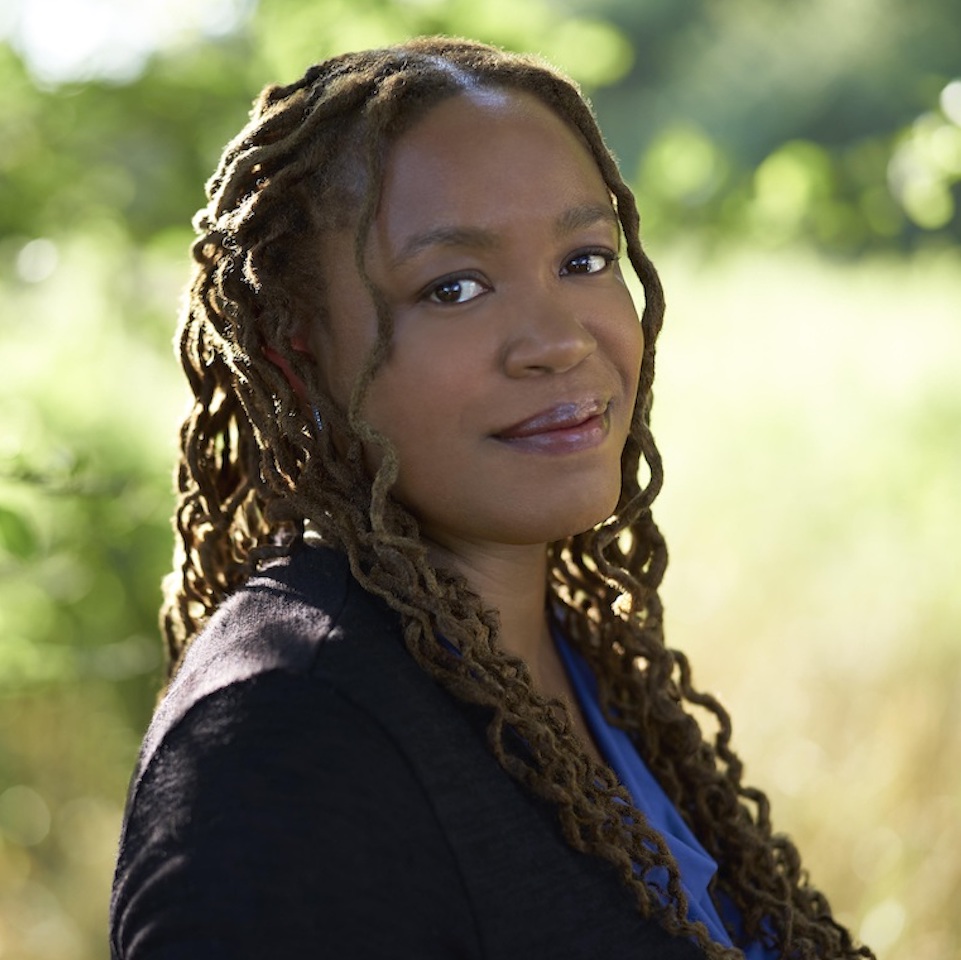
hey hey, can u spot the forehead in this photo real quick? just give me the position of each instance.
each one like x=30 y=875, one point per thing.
x=487 y=158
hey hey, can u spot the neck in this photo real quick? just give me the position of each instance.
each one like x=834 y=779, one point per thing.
x=511 y=579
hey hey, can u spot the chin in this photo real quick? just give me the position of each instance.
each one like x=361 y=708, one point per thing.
x=595 y=509
x=569 y=519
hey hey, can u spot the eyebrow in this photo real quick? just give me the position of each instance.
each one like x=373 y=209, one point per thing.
x=571 y=220
x=474 y=237
x=586 y=215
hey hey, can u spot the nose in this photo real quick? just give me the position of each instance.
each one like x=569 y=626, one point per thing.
x=546 y=335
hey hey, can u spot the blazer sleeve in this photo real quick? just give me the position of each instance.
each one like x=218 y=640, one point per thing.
x=277 y=818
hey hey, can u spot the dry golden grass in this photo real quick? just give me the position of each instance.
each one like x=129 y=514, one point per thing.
x=810 y=419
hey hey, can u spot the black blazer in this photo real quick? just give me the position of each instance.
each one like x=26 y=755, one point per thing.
x=305 y=790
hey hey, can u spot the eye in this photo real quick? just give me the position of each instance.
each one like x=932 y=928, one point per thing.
x=590 y=261
x=455 y=290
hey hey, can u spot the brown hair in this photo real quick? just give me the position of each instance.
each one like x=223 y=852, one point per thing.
x=255 y=469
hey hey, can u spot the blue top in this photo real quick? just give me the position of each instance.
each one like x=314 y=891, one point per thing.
x=695 y=865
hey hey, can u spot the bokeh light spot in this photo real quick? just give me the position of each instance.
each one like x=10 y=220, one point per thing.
x=928 y=202
x=683 y=164
x=788 y=182
x=88 y=828
x=951 y=101
x=24 y=816
x=65 y=41
x=37 y=260
x=883 y=925
x=596 y=53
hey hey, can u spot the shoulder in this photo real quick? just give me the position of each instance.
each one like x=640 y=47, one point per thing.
x=281 y=784
x=277 y=816
x=301 y=666
x=283 y=618
x=304 y=616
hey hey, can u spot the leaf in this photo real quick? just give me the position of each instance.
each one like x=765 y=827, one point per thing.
x=17 y=535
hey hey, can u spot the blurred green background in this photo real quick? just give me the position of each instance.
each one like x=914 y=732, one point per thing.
x=798 y=167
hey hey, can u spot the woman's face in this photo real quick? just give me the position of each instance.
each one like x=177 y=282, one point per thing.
x=512 y=374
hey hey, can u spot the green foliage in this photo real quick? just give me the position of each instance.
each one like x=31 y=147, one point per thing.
x=591 y=50
x=843 y=105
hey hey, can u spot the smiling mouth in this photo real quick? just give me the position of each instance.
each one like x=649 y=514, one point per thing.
x=566 y=428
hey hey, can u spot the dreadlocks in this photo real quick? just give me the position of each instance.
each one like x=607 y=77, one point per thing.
x=255 y=469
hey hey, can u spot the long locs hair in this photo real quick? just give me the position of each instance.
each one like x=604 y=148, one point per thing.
x=255 y=468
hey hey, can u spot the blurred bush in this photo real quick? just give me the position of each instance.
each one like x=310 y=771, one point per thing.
x=837 y=124
x=810 y=415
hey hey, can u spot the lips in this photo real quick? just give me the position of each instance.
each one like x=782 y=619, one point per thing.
x=570 y=424
x=562 y=417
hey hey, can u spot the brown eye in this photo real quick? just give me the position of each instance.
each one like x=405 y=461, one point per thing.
x=459 y=290
x=587 y=263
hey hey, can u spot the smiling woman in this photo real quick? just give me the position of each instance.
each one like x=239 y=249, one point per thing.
x=420 y=701
x=514 y=336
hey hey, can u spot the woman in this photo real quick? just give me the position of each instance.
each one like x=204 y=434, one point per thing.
x=421 y=704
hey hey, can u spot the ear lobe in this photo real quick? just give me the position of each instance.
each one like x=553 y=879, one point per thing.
x=299 y=343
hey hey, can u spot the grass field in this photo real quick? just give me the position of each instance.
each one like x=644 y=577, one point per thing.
x=809 y=413
x=810 y=416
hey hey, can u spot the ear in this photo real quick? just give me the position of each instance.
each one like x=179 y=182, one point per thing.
x=299 y=341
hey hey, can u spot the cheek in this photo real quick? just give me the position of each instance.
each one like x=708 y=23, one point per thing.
x=395 y=407
x=341 y=351
x=638 y=355
x=429 y=410
x=632 y=346
x=624 y=343
x=432 y=378
x=412 y=408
